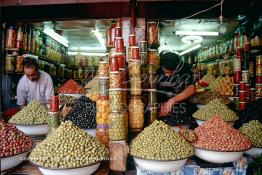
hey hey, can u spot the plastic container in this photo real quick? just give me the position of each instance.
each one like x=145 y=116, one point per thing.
x=135 y=86
x=116 y=124
x=102 y=110
x=115 y=99
x=136 y=112
x=134 y=68
x=103 y=69
x=103 y=86
x=102 y=134
x=115 y=79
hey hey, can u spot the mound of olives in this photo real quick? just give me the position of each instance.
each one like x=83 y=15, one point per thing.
x=253 y=131
x=33 y=113
x=160 y=142
x=68 y=147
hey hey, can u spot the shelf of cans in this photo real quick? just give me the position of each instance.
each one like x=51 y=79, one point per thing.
x=246 y=77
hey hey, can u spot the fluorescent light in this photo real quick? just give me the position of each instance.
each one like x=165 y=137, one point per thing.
x=190 y=49
x=87 y=53
x=202 y=33
x=192 y=39
x=51 y=33
x=99 y=37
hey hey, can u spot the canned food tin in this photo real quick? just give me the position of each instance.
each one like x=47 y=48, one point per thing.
x=121 y=59
x=258 y=90
x=119 y=44
x=237 y=64
x=132 y=40
x=242 y=96
x=54 y=103
x=143 y=46
x=236 y=102
x=237 y=77
x=259 y=79
x=252 y=94
x=259 y=70
x=135 y=53
x=242 y=106
x=118 y=32
x=113 y=63
x=251 y=69
x=236 y=89
x=259 y=60
x=242 y=86
x=103 y=86
x=245 y=76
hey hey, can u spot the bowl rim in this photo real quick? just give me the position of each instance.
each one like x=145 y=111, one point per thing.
x=29 y=149
x=29 y=124
x=71 y=94
x=62 y=168
x=256 y=147
x=207 y=119
x=162 y=160
x=222 y=151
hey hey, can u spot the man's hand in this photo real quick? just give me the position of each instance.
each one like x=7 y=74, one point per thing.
x=166 y=108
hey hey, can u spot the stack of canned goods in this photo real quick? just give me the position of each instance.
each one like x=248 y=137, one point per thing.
x=243 y=94
x=259 y=76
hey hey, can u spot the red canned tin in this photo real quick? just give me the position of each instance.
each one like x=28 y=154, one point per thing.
x=54 y=103
x=242 y=86
x=236 y=89
x=113 y=63
x=121 y=59
x=237 y=77
x=240 y=53
x=247 y=47
x=123 y=73
x=135 y=53
x=132 y=40
x=259 y=79
x=109 y=39
x=242 y=105
x=242 y=96
x=118 y=32
x=119 y=44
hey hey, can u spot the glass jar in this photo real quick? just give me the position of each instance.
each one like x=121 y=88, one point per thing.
x=83 y=62
x=135 y=86
x=103 y=86
x=9 y=63
x=102 y=110
x=114 y=79
x=126 y=121
x=116 y=124
x=115 y=99
x=19 y=64
x=10 y=37
x=152 y=115
x=134 y=68
x=136 y=112
x=152 y=33
x=103 y=69
x=153 y=57
x=102 y=134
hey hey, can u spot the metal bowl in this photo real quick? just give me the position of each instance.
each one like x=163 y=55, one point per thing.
x=218 y=156
x=14 y=160
x=33 y=130
x=254 y=151
x=86 y=170
x=160 y=166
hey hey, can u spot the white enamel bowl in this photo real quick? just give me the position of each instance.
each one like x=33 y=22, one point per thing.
x=91 y=132
x=87 y=170
x=218 y=156
x=12 y=161
x=201 y=122
x=159 y=166
x=177 y=128
x=33 y=130
x=254 y=151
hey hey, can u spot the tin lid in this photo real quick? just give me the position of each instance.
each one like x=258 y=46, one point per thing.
x=132 y=35
x=118 y=38
x=245 y=71
x=241 y=102
x=120 y=53
x=242 y=91
x=134 y=60
x=118 y=27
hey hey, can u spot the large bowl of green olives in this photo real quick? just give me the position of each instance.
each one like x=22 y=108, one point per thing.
x=159 y=166
x=254 y=152
x=34 y=129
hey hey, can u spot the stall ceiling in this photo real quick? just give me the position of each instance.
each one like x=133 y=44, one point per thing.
x=80 y=36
